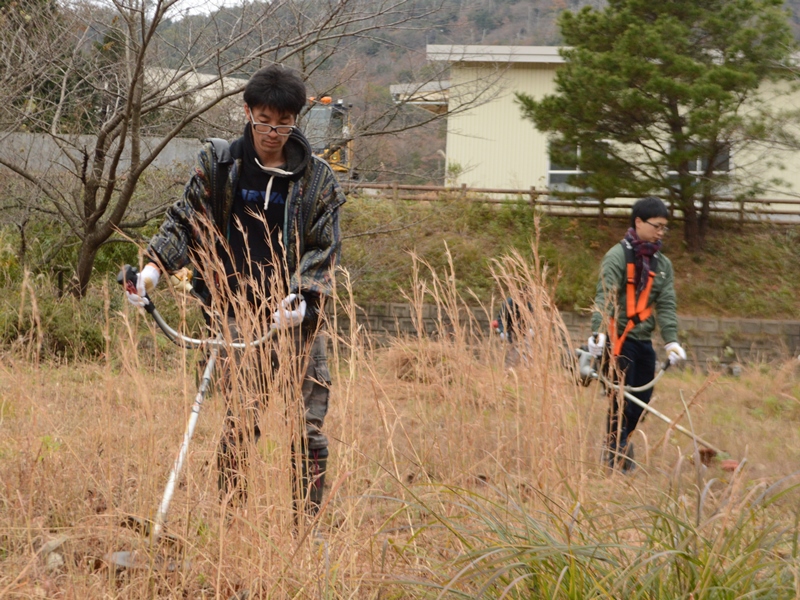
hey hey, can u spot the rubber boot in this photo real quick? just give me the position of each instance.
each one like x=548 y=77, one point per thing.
x=231 y=459
x=627 y=462
x=315 y=478
x=609 y=455
x=312 y=481
x=229 y=475
x=618 y=452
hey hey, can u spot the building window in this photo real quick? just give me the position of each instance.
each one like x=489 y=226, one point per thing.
x=699 y=166
x=564 y=161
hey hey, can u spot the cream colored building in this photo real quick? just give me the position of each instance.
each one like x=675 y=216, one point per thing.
x=490 y=145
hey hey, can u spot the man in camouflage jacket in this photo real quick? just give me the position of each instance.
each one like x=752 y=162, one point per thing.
x=269 y=210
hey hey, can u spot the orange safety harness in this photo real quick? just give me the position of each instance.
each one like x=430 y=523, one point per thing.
x=637 y=310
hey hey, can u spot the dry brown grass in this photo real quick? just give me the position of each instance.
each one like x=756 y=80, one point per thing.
x=412 y=423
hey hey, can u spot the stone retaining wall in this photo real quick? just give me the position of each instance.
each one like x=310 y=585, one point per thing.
x=706 y=339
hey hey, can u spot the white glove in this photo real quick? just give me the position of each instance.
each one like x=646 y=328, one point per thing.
x=597 y=344
x=675 y=353
x=146 y=282
x=290 y=313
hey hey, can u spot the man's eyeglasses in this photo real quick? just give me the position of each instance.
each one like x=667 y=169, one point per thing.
x=266 y=129
x=658 y=226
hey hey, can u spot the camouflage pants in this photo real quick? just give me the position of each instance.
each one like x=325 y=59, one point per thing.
x=242 y=424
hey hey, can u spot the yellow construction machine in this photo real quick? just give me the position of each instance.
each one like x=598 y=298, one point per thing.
x=326 y=125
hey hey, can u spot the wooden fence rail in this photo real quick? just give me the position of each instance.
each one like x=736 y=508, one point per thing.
x=571 y=204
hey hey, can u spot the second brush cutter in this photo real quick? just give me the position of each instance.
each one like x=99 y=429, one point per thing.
x=588 y=372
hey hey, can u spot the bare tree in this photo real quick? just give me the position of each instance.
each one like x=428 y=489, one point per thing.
x=122 y=73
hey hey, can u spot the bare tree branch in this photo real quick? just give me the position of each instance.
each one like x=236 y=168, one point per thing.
x=119 y=71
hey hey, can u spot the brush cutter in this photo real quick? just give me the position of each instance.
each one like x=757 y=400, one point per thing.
x=587 y=372
x=154 y=529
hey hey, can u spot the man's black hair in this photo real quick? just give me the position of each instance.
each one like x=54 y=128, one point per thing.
x=276 y=87
x=648 y=208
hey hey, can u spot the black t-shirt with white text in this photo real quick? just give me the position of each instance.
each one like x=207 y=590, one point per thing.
x=255 y=234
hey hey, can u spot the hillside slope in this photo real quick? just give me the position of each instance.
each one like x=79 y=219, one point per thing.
x=749 y=272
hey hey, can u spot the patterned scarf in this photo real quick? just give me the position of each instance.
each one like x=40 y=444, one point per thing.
x=643 y=252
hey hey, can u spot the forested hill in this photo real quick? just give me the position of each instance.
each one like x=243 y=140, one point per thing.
x=521 y=21
x=361 y=69
x=486 y=22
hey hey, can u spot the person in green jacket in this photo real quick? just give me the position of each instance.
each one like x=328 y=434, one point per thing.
x=635 y=292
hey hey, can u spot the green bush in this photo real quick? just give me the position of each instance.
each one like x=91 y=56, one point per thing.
x=60 y=327
x=68 y=328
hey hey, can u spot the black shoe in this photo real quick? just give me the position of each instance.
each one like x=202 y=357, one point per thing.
x=627 y=463
x=608 y=457
x=619 y=458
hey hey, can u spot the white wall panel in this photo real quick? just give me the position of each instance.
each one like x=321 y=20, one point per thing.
x=492 y=143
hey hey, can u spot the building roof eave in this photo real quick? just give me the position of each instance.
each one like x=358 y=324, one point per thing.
x=494 y=54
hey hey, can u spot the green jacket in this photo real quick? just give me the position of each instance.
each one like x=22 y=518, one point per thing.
x=311 y=232
x=610 y=298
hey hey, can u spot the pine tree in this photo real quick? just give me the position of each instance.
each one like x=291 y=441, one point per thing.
x=659 y=95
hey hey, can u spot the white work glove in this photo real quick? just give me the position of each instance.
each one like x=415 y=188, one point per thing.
x=675 y=353
x=291 y=312
x=146 y=282
x=596 y=344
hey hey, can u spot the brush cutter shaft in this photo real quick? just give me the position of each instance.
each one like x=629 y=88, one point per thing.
x=161 y=515
x=669 y=421
x=587 y=370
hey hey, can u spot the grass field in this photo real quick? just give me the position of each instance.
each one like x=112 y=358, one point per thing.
x=450 y=476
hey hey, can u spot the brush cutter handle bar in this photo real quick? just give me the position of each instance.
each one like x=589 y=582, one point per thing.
x=587 y=370
x=127 y=278
x=646 y=386
x=183 y=340
x=641 y=388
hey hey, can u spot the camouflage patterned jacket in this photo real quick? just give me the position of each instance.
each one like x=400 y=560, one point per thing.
x=311 y=233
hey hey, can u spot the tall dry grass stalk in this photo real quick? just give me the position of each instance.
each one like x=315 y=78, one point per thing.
x=449 y=474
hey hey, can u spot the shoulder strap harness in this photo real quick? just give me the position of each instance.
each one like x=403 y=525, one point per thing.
x=222 y=159
x=637 y=310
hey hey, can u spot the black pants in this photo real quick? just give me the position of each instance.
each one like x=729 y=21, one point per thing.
x=637 y=364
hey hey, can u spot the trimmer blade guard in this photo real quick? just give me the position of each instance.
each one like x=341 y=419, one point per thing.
x=144 y=527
